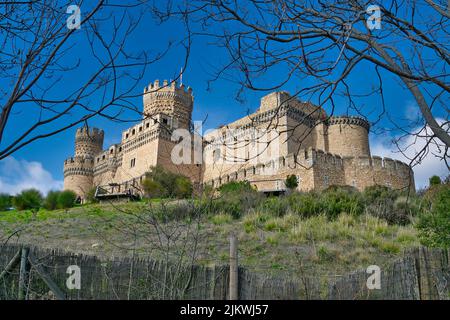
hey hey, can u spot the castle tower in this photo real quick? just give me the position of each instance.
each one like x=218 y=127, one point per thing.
x=169 y=99
x=88 y=142
x=348 y=136
x=79 y=170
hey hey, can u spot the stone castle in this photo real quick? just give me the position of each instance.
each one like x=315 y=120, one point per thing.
x=283 y=137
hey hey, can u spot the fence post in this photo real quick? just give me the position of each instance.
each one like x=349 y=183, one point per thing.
x=23 y=273
x=233 y=267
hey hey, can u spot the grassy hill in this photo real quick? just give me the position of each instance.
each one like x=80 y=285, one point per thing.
x=270 y=241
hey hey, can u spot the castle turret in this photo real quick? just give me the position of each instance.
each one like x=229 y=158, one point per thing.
x=348 y=136
x=88 y=142
x=79 y=170
x=169 y=99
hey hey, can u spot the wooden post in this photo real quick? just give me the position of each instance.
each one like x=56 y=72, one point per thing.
x=11 y=265
x=233 y=267
x=46 y=278
x=23 y=273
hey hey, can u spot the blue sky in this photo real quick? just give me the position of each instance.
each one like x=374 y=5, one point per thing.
x=40 y=164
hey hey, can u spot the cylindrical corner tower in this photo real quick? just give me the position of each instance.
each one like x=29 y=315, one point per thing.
x=79 y=175
x=172 y=100
x=79 y=170
x=348 y=136
x=88 y=142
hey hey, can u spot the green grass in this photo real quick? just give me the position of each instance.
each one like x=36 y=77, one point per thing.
x=267 y=242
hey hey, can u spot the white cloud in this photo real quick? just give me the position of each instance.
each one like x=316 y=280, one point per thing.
x=429 y=166
x=17 y=175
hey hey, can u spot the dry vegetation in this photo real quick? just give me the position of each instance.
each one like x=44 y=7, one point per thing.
x=268 y=242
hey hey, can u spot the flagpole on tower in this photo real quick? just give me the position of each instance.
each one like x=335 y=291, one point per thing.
x=181 y=76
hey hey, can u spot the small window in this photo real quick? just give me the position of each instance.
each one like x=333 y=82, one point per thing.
x=134 y=131
x=111 y=151
x=306 y=154
x=155 y=121
x=98 y=159
x=126 y=136
x=140 y=129
x=133 y=163
x=148 y=125
x=103 y=158
x=165 y=121
x=216 y=155
x=120 y=149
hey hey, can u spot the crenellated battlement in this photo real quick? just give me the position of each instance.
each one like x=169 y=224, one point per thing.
x=171 y=99
x=167 y=86
x=78 y=166
x=78 y=161
x=92 y=133
x=349 y=120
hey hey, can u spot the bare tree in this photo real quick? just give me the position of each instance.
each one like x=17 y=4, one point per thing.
x=324 y=44
x=56 y=76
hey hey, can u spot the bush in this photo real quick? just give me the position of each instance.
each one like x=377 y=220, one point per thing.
x=291 y=182
x=435 y=180
x=66 y=199
x=5 y=201
x=51 y=201
x=339 y=200
x=434 y=226
x=305 y=204
x=275 y=206
x=183 y=187
x=90 y=195
x=160 y=183
x=392 y=205
x=30 y=199
x=153 y=189
x=236 y=199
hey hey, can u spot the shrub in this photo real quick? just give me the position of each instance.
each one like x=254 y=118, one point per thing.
x=434 y=226
x=183 y=187
x=160 y=182
x=275 y=206
x=291 y=182
x=387 y=204
x=338 y=200
x=28 y=199
x=304 y=204
x=90 y=195
x=435 y=180
x=236 y=199
x=51 y=201
x=66 y=199
x=153 y=189
x=5 y=201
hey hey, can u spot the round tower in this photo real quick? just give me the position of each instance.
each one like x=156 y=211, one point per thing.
x=88 y=142
x=348 y=136
x=79 y=170
x=79 y=175
x=170 y=99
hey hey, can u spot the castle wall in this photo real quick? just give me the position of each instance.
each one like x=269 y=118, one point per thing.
x=328 y=170
x=362 y=172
